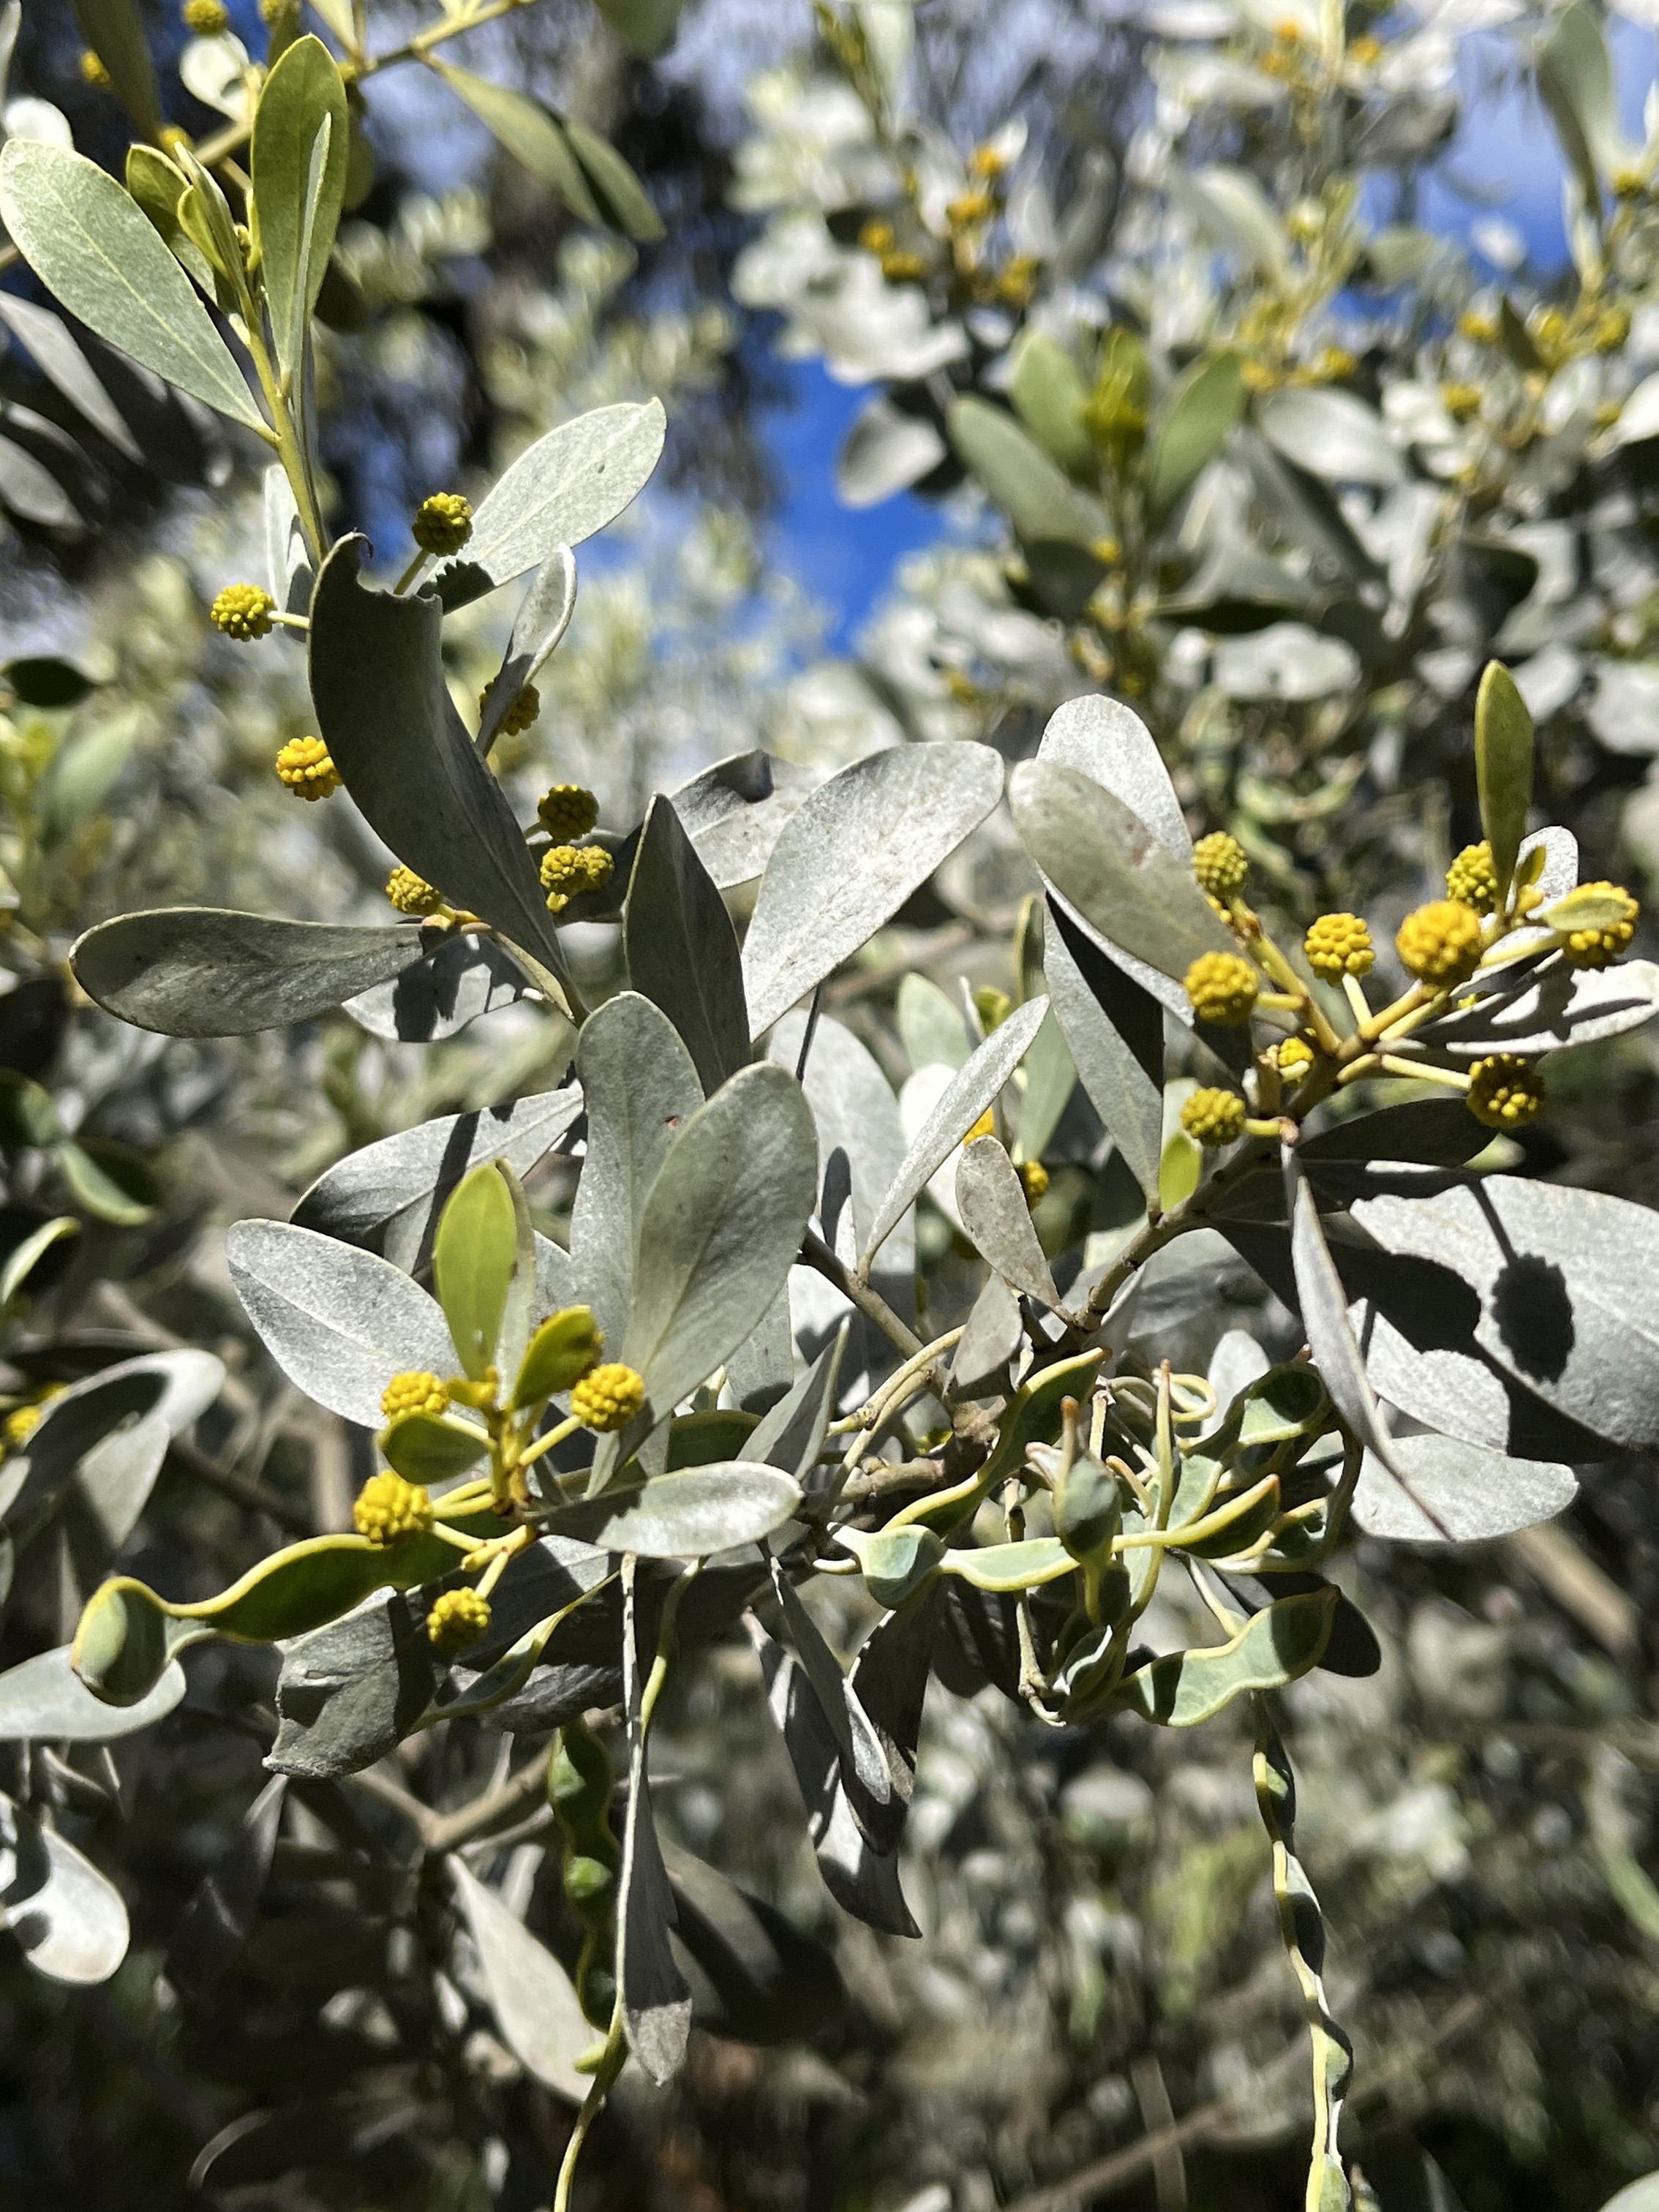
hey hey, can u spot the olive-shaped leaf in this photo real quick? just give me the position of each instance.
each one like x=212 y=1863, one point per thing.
x=1203 y=409
x=852 y=855
x=473 y=1258
x=384 y=710
x=339 y=1323
x=1277 y=1645
x=543 y=618
x=685 y=1516
x=1503 y=768
x=1024 y=1565
x=60 y=356
x=1474 y=1494
x=302 y=143
x=528 y=132
x=1114 y=1031
x=432 y=1448
x=89 y=245
x=642 y=1088
x=682 y=949
x=973 y=1088
x=1019 y=476
x=559 y=491
x=45 y=1698
x=991 y=1200
x=721 y=1226
x=860 y=1141
x=656 y=2003
x=536 y=2007
x=387 y=1196
x=201 y=971
x=1049 y=395
x=114 y=29
x=791 y=1433
x=22 y=1259
x=68 y=1920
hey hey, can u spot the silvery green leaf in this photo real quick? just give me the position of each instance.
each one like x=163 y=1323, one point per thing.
x=641 y=1088
x=856 y=1740
x=1115 y=1034
x=1532 y=1008
x=1567 y=1289
x=384 y=710
x=688 y=1515
x=536 y=2007
x=852 y=855
x=931 y=1027
x=721 y=1225
x=889 y=1679
x=170 y=1387
x=110 y=1489
x=90 y=245
x=1204 y=407
x=301 y=147
x=1475 y=1494
x=44 y=1697
x=992 y=1336
x=971 y=1091
x=860 y=1138
x=1287 y=661
x=32 y=492
x=682 y=949
x=62 y=360
x=655 y=2001
x=528 y=132
x=348 y=1695
x=1332 y=434
x=543 y=618
x=1641 y=2196
x=1018 y=477
x=288 y=575
x=861 y=1879
x=222 y=1909
x=734 y=813
x=991 y=1200
x=759 y=1372
x=885 y=451
x=623 y=200
x=1107 y=742
x=115 y=31
x=1024 y=1565
x=1110 y=869
x=1049 y=395
x=1436 y=1132
x=338 y=1322
x=388 y=1197
x=790 y=1434
x=1575 y=82
x=203 y=971
x=65 y=1917
x=1232 y=208
x=560 y=490
x=1050 y=1079
x=466 y=975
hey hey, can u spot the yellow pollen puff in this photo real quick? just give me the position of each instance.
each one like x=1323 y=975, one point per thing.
x=901 y=268
x=1460 y=400
x=1471 y=879
x=1214 y=1118
x=1339 y=945
x=1293 y=1058
x=20 y=1424
x=413 y=1391
x=985 y=1126
x=1223 y=988
x=1475 y=323
x=243 y=611
x=970 y=210
x=986 y=161
x=459 y=1616
x=567 y=812
x=1504 y=1092
x=1596 y=948
x=305 y=766
x=525 y=706
x=92 y=69
x=877 y=236
x=607 y=1397
x=1016 y=280
x=1366 y=52
x=388 y=1509
x=567 y=870
x=1220 y=864
x=443 y=523
x=1611 y=328
x=1033 y=1180
x=207 y=18
x=411 y=894
x=1441 y=942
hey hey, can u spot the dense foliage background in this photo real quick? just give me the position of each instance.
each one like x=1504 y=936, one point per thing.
x=1099 y=1989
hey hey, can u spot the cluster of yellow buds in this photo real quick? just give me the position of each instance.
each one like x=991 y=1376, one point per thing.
x=1214 y=1118
x=1224 y=989
x=1293 y=1057
x=412 y=894
x=607 y=1397
x=1461 y=401
x=243 y=611
x=567 y=870
x=1339 y=945
x=414 y=1391
x=94 y=73
x=1033 y=1180
x=1440 y=944
x=307 y=767
x=1472 y=878
x=899 y=264
x=443 y=523
x=458 y=1618
x=389 y=1509
x=525 y=706
x=1505 y=1092
x=208 y=19
x=1600 y=929
x=1220 y=864
x=567 y=812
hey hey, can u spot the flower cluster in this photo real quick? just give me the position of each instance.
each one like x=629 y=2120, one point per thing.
x=567 y=870
x=388 y=1509
x=243 y=611
x=306 y=768
x=607 y=1397
x=412 y=894
x=443 y=523
x=1339 y=945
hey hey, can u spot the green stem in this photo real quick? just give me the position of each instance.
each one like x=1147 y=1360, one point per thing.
x=605 y=2075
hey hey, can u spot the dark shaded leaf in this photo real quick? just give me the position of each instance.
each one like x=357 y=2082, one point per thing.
x=216 y=1922
x=681 y=949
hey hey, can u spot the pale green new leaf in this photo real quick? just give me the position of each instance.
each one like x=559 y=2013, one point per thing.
x=90 y=244
x=1278 y=1645
x=1503 y=767
x=528 y=132
x=1201 y=414
x=1048 y=395
x=473 y=1265
x=1019 y=477
x=297 y=197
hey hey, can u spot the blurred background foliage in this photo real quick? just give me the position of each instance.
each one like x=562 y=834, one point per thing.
x=932 y=293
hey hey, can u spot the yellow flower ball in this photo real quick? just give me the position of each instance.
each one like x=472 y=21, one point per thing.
x=93 y=72
x=607 y=1397
x=1473 y=880
x=1505 y=1092
x=567 y=870
x=1223 y=988
x=1214 y=1118
x=208 y=19
x=1293 y=1058
x=443 y=523
x=1220 y=864
x=1597 y=948
x=458 y=1618
x=1440 y=944
x=1339 y=945
x=412 y=894
x=413 y=1391
x=1033 y=1180
x=388 y=1509
x=243 y=611
x=567 y=812
x=304 y=764
x=525 y=706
